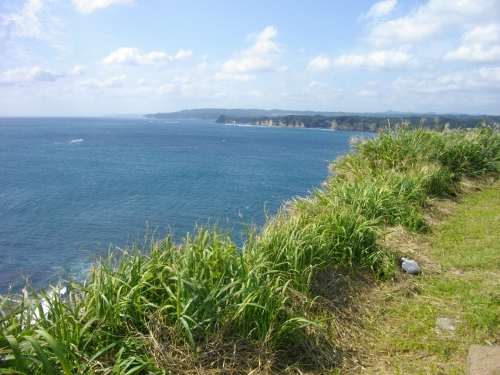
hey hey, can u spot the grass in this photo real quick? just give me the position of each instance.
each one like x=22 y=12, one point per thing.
x=463 y=284
x=312 y=290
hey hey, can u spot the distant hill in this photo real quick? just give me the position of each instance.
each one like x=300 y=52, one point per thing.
x=326 y=120
x=215 y=113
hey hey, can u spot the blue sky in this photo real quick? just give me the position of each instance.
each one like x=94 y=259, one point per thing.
x=103 y=57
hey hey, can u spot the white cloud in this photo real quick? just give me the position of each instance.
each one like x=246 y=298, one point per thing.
x=491 y=74
x=260 y=57
x=433 y=19
x=283 y=69
x=480 y=44
x=164 y=89
x=475 y=53
x=133 y=56
x=183 y=54
x=32 y=21
x=317 y=84
x=202 y=66
x=376 y=60
x=39 y=74
x=255 y=94
x=220 y=95
x=247 y=64
x=78 y=70
x=114 y=82
x=319 y=92
x=90 y=83
x=263 y=44
x=381 y=9
x=403 y=31
x=88 y=6
x=235 y=77
x=367 y=93
x=26 y=23
x=463 y=81
x=320 y=64
x=26 y=75
x=181 y=79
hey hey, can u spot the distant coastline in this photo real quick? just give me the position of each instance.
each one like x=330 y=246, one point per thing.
x=367 y=122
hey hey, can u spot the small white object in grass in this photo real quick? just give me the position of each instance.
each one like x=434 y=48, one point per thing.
x=410 y=266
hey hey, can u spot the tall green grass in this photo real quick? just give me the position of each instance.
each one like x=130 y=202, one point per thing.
x=208 y=286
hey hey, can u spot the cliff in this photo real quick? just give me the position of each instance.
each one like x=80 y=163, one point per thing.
x=360 y=123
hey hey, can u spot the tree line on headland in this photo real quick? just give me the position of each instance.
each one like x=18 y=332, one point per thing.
x=368 y=122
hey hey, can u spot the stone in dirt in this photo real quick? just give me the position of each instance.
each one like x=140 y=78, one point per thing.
x=410 y=266
x=447 y=325
x=483 y=360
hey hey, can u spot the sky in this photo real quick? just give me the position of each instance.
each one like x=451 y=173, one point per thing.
x=106 y=57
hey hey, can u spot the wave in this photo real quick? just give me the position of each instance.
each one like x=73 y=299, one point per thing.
x=76 y=140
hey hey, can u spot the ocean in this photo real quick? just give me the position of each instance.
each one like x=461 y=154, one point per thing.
x=71 y=188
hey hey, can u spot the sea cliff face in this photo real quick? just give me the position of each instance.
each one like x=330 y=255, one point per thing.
x=360 y=123
x=320 y=122
x=278 y=122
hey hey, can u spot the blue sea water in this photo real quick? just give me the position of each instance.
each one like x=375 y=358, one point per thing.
x=73 y=187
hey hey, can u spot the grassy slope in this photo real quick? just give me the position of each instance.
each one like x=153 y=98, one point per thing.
x=460 y=281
